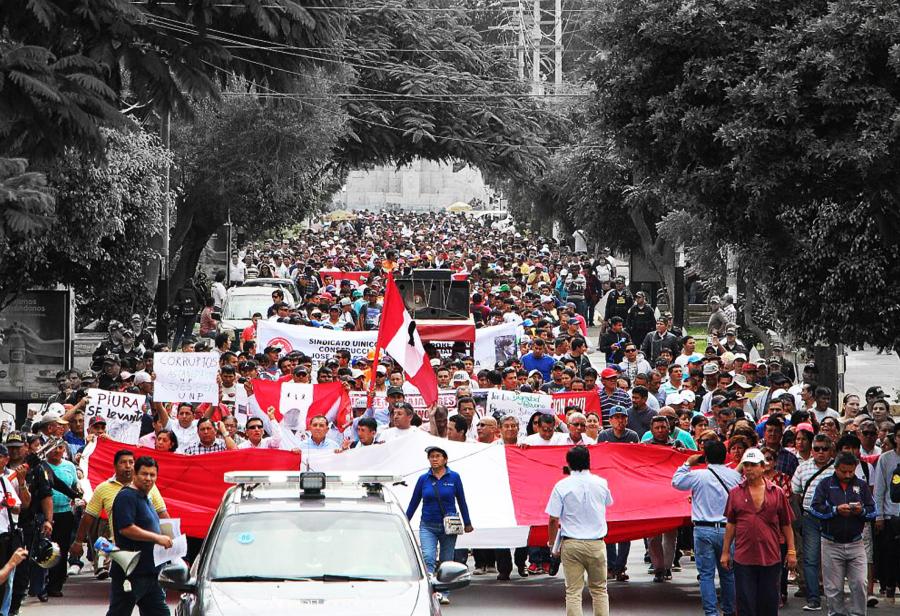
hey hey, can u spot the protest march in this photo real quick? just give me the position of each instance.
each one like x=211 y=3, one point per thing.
x=551 y=361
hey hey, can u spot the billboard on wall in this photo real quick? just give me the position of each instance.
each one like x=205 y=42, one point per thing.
x=36 y=332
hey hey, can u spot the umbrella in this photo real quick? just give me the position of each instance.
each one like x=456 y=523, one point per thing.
x=339 y=215
x=458 y=207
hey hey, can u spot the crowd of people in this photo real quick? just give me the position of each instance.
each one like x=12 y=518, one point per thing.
x=784 y=478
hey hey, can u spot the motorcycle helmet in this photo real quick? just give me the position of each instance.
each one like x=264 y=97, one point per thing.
x=45 y=553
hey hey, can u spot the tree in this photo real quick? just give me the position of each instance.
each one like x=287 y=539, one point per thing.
x=384 y=98
x=95 y=234
x=49 y=103
x=264 y=162
x=774 y=122
x=26 y=214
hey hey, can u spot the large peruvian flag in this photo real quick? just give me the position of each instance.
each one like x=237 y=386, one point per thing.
x=397 y=335
x=192 y=486
x=506 y=488
x=296 y=404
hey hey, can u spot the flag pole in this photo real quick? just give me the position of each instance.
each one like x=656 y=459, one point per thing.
x=377 y=356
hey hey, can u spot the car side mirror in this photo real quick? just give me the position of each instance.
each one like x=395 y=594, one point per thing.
x=177 y=576
x=451 y=576
x=216 y=316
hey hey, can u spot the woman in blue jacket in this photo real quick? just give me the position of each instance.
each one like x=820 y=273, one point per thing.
x=438 y=490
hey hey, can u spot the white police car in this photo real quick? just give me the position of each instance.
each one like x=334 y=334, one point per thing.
x=293 y=542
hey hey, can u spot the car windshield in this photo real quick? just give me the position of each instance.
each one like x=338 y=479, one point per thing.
x=317 y=545
x=243 y=306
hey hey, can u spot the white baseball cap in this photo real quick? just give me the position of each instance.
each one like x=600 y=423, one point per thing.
x=675 y=398
x=753 y=456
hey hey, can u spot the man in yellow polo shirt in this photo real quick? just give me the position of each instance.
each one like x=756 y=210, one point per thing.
x=102 y=502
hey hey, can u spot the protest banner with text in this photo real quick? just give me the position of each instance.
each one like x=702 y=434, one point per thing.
x=186 y=377
x=520 y=404
x=122 y=412
x=318 y=343
x=586 y=401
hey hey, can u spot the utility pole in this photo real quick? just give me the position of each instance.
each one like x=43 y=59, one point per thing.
x=520 y=48
x=536 y=37
x=557 y=47
x=162 y=290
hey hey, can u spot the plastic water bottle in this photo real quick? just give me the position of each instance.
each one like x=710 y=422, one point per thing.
x=102 y=544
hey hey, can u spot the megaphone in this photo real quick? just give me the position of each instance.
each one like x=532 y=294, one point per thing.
x=125 y=559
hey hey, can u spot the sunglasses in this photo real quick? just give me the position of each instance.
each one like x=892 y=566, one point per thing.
x=821 y=449
x=254 y=427
x=869 y=433
x=630 y=350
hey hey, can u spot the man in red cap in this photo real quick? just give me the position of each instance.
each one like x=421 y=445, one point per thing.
x=610 y=394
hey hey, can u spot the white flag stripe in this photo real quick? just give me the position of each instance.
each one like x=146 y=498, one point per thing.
x=482 y=468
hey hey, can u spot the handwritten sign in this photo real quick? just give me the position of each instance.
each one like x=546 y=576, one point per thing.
x=186 y=377
x=122 y=412
x=519 y=404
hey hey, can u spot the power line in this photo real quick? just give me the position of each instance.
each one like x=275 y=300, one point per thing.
x=186 y=28
x=405 y=132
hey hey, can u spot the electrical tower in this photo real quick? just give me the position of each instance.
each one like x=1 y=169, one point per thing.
x=535 y=29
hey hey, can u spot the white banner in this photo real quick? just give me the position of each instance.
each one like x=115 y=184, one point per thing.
x=186 y=377
x=122 y=412
x=493 y=344
x=522 y=405
x=318 y=343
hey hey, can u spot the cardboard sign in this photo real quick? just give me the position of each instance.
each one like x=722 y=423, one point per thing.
x=495 y=344
x=186 y=377
x=521 y=405
x=122 y=412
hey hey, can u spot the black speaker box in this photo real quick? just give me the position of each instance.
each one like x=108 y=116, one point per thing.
x=433 y=294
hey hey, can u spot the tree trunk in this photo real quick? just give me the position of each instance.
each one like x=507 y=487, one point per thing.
x=658 y=253
x=749 y=300
x=192 y=230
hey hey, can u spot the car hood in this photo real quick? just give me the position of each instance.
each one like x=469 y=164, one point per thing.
x=236 y=324
x=325 y=598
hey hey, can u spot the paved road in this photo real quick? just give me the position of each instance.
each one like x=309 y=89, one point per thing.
x=534 y=596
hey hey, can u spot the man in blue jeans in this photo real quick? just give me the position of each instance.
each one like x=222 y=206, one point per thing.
x=709 y=493
x=803 y=485
x=136 y=529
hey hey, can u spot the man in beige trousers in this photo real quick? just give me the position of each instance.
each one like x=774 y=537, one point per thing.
x=577 y=510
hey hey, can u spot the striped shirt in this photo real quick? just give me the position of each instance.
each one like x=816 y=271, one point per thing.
x=607 y=401
x=803 y=480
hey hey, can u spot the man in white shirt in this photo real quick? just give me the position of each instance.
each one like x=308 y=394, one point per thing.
x=401 y=416
x=183 y=425
x=577 y=526
x=546 y=434
x=217 y=290
x=237 y=271
x=577 y=424
x=821 y=408
x=255 y=433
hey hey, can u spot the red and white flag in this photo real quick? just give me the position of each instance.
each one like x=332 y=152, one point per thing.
x=397 y=336
x=297 y=403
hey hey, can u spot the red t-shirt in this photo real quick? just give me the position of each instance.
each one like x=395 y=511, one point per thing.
x=757 y=536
